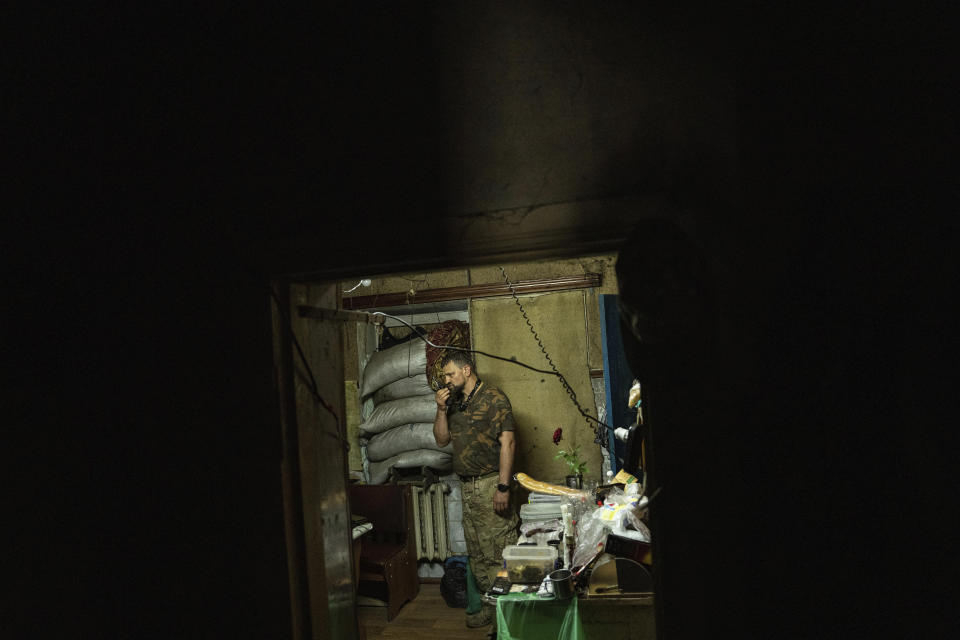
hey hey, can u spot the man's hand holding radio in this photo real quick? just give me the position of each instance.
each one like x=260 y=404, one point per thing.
x=443 y=394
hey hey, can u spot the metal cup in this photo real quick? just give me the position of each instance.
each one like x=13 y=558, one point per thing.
x=561 y=582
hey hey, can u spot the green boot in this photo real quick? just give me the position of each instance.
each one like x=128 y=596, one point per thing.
x=483 y=618
x=473 y=593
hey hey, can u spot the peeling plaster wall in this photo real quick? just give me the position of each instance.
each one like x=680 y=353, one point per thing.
x=540 y=403
x=603 y=265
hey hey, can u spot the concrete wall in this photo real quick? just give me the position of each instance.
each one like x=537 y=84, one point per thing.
x=492 y=129
x=547 y=102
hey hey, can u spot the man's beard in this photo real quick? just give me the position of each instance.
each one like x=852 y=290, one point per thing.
x=456 y=390
x=456 y=393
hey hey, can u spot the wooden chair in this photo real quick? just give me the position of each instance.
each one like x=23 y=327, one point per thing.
x=388 y=555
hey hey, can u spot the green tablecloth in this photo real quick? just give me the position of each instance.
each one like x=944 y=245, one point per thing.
x=526 y=616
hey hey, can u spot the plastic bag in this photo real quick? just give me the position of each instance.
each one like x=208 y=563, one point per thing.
x=530 y=528
x=620 y=514
x=591 y=533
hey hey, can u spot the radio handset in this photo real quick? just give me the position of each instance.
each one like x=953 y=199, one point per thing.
x=452 y=398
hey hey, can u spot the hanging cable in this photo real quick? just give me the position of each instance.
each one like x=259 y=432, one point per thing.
x=453 y=348
x=365 y=282
x=566 y=385
x=256 y=275
x=555 y=372
x=313 y=388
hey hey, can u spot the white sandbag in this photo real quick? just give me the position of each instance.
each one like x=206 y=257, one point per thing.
x=397 y=412
x=406 y=437
x=380 y=471
x=402 y=361
x=403 y=388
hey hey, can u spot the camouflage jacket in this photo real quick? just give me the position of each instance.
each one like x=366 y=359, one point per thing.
x=475 y=431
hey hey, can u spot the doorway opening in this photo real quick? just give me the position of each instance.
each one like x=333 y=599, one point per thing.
x=525 y=322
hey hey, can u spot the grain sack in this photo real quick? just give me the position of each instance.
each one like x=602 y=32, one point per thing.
x=380 y=471
x=402 y=361
x=397 y=412
x=403 y=388
x=406 y=437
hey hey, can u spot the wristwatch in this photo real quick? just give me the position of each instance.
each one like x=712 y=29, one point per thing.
x=503 y=487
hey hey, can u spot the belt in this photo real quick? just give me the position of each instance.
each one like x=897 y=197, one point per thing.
x=475 y=478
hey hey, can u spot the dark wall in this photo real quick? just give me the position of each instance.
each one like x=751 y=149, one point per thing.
x=138 y=358
x=153 y=142
x=148 y=488
x=793 y=345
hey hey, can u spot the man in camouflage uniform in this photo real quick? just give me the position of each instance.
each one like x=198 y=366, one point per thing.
x=479 y=420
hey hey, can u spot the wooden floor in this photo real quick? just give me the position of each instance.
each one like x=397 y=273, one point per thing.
x=427 y=616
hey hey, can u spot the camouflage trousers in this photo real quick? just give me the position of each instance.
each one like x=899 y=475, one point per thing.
x=486 y=532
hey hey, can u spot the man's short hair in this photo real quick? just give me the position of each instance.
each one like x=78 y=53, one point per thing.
x=459 y=358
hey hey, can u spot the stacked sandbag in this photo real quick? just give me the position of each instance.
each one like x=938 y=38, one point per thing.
x=408 y=437
x=398 y=433
x=394 y=413
x=403 y=388
x=439 y=460
x=405 y=360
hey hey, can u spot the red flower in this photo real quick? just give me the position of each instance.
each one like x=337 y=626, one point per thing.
x=556 y=435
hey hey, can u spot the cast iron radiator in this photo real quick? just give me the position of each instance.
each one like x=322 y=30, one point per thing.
x=430 y=522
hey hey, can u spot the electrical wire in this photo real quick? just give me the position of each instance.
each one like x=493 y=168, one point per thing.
x=566 y=385
x=256 y=275
x=313 y=388
x=453 y=348
x=365 y=282
x=554 y=372
x=355 y=287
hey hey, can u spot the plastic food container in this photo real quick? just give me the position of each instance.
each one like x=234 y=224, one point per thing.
x=528 y=563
